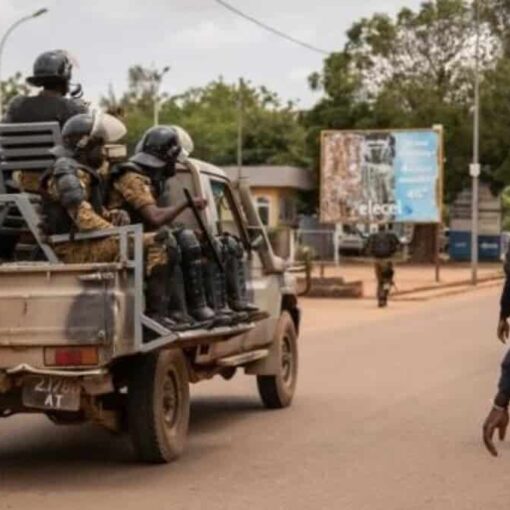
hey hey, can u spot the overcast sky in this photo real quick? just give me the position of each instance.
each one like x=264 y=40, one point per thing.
x=199 y=39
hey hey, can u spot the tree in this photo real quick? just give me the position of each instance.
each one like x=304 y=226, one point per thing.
x=415 y=70
x=272 y=133
x=12 y=87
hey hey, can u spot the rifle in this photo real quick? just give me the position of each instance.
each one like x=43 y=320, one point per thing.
x=204 y=229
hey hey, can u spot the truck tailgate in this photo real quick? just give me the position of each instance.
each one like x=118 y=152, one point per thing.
x=45 y=304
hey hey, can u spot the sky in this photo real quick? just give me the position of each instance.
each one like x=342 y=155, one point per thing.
x=199 y=39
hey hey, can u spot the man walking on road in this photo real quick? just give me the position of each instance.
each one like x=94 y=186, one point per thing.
x=498 y=417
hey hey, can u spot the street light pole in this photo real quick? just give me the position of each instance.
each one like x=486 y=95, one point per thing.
x=158 y=78
x=475 y=166
x=16 y=24
x=240 y=112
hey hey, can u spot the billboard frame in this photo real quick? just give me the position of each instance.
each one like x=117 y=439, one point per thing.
x=438 y=129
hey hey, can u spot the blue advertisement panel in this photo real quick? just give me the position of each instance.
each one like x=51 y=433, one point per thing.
x=417 y=177
x=381 y=176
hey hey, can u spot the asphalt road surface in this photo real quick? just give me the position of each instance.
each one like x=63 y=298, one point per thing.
x=387 y=416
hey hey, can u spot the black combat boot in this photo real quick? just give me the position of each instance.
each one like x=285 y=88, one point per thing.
x=237 y=291
x=192 y=268
x=177 y=307
x=216 y=288
x=156 y=297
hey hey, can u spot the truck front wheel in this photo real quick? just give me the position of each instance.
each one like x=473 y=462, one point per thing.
x=277 y=391
x=158 y=406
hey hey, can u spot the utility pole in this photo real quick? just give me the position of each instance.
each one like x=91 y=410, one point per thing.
x=474 y=168
x=240 y=113
x=157 y=79
x=8 y=32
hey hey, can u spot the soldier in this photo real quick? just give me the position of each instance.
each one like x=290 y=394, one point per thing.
x=498 y=417
x=52 y=72
x=136 y=186
x=73 y=202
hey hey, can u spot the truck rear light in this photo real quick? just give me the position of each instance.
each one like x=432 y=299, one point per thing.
x=71 y=356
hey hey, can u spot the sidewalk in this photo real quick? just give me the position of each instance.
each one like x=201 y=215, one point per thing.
x=416 y=282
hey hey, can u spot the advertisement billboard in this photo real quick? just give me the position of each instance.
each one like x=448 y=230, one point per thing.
x=381 y=176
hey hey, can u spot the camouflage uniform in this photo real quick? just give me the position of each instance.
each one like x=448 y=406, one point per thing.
x=86 y=218
x=134 y=191
x=83 y=218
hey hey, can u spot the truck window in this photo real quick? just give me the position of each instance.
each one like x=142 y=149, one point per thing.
x=224 y=207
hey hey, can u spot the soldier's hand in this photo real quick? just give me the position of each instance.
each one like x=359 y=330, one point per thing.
x=503 y=330
x=496 y=420
x=200 y=203
x=119 y=217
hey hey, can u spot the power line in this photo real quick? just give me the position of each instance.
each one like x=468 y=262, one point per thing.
x=275 y=31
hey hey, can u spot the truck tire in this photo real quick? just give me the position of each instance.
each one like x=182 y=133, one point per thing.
x=158 y=406
x=277 y=391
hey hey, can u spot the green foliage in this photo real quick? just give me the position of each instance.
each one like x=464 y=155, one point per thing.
x=271 y=131
x=412 y=71
x=12 y=87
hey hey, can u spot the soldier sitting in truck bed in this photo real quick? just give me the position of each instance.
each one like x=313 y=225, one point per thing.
x=136 y=186
x=73 y=202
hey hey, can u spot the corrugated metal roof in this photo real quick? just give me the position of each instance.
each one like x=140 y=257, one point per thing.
x=274 y=176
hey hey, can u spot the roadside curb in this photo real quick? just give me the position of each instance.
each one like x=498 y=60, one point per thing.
x=450 y=285
x=451 y=290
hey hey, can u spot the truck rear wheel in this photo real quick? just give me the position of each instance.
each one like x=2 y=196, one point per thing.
x=158 y=406
x=277 y=391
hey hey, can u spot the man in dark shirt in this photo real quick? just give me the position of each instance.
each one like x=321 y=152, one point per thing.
x=498 y=416
x=382 y=246
x=52 y=72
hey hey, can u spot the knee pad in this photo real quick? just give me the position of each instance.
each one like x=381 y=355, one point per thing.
x=189 y=245
x=233 y=246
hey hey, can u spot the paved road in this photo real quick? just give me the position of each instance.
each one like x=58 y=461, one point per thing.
x=387 y=416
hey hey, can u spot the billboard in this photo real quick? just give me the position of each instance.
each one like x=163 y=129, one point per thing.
x=381 y=176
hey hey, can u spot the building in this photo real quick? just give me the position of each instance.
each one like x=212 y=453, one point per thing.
x=275 y=190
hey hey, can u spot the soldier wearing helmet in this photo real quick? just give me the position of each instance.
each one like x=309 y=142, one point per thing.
x=73 y=198
x=136 y=186
x=72 y=189
x=52 y=73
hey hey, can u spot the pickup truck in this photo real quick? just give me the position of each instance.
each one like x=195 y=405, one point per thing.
x=75 y=343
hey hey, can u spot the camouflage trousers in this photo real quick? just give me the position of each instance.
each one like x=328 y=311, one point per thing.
x=107 y=250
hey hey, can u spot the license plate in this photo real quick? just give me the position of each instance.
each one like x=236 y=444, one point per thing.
x=52 y=393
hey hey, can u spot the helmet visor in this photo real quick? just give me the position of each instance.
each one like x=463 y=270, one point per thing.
x=184 y=140
x=107 y=127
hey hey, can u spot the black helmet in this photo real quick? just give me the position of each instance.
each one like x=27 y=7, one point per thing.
x=51 y=67
x=159 y=147
x=86 y=129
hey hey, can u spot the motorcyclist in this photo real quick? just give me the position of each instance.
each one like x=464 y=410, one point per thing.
x=498 y=417
x=52 y=72
x=382 y=246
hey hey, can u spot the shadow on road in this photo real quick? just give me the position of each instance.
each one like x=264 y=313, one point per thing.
x=36 y=455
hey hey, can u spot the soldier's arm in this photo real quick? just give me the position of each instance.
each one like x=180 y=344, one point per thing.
x=159 y=216
x=138 y=195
